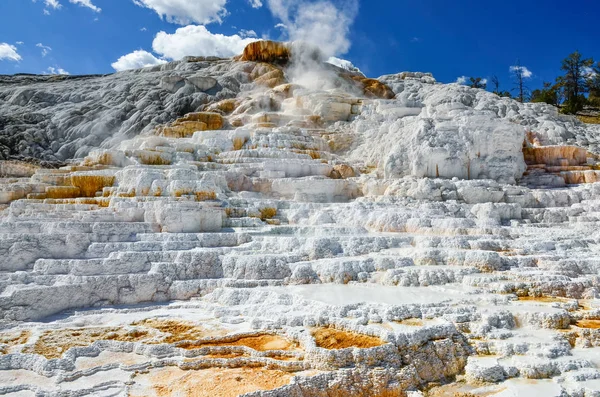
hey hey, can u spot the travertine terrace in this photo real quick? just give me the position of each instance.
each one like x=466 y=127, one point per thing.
x=273 y=225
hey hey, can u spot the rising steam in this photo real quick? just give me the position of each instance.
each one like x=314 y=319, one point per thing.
x=320 y=23
x=320 y=30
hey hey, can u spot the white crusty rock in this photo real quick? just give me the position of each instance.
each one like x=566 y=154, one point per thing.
x=210 y=235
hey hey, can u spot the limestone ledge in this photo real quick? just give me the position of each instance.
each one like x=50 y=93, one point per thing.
x=229 y=227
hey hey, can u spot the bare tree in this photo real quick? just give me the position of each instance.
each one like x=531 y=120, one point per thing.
x=496 y=84
x=519 y=76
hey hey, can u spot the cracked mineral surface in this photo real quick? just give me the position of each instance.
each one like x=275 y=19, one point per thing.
x=219 y=227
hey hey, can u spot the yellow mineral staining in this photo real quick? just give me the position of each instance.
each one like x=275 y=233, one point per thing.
x=555 y=155
x=13 y=338
x=412 y=322
x=107 y=357
x=299 y=146
x=105 y=158
x=342 y=171
x=226 y=106
x=213 y=121
x=239 y=142
x=149 y=158
x=233 y=212
x=89 y=185
x=265 y=342
x=315 y=120
x=99 y=201
x=531 y=139
x=576 y=177
x=52 y=344
x=193 y=336
x=223 y=382
x=339 y=142
x=333 y=339
x=174 y=330
x=130 y=193
x=236 y=121
x=206 y=196
x=268 y=213
x=543 y=299
x=186 y=126
x=589 y=324
x=37 y=196
x=183 y=130
x=589 y=119
x=285 y=90
x=203 y=195
x=568 y=162
x=62 y=192
x=373 y=88
x=314 y=154
x=462 y=389
x=271 y=79
x=267 y=51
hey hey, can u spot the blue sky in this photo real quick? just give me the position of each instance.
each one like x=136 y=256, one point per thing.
x=449 y=39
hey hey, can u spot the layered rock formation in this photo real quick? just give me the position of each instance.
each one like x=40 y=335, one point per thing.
x=225 y=228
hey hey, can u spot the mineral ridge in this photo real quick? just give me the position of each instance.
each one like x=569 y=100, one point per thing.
x=273 y=225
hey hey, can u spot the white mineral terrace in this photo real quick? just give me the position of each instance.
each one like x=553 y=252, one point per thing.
x=284 y=240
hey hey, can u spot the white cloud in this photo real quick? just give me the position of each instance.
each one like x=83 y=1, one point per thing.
x=9 y=52
x=45 y=49
x=321 y=23
x=255 y=3
x=198 y=41
x=185 y=12
x=464 y=80
x=19 y=43
x=143 y=29
x=86 y=3
x=136 y=60
x=247 y=33
x=52 y=4
x=527 y=74
x=56 y=70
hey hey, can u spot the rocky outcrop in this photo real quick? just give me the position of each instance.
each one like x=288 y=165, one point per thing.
x=374 y=88
x=267 y=51
x=438 y=131
x=190 y=123
x=559 y=165
x=49 y=119
x=556 y=155
x=269 y=237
